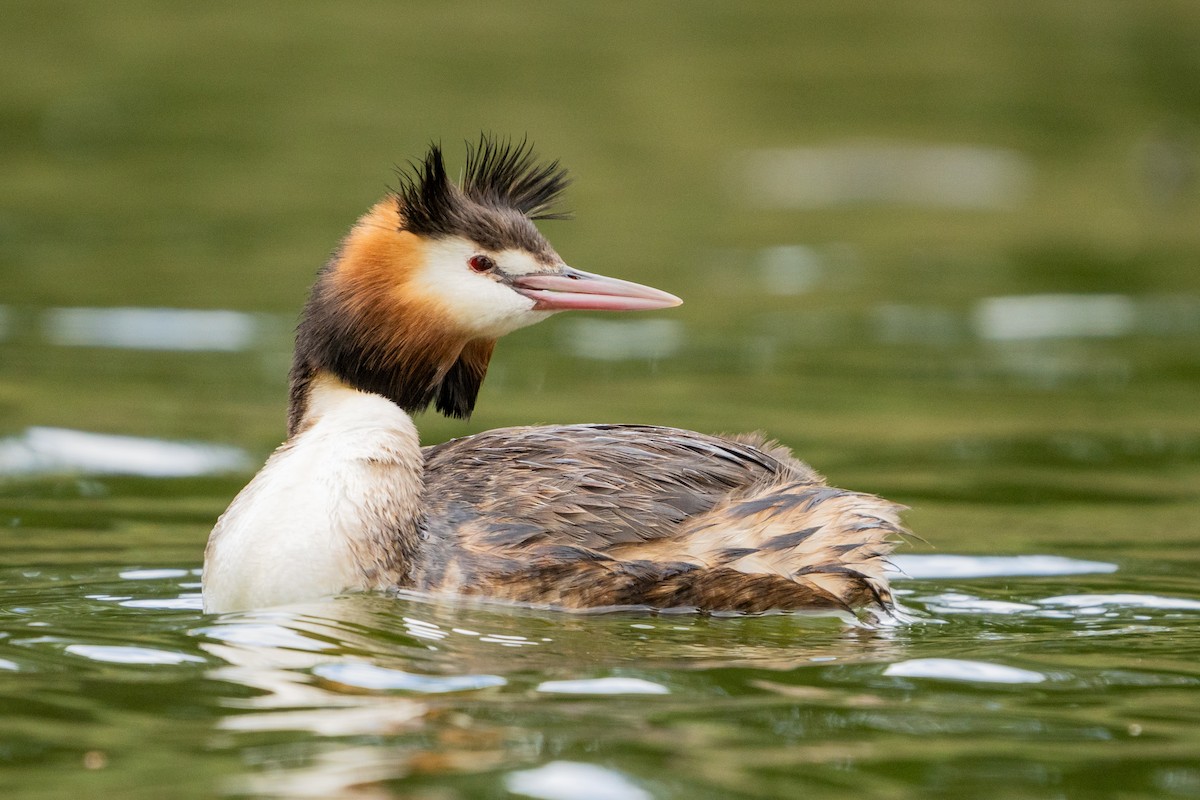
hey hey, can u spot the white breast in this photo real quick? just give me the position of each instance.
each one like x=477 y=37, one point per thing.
x=314 y=521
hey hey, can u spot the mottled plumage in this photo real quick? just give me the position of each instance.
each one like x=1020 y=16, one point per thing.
x=619 y=515
x=406 y=315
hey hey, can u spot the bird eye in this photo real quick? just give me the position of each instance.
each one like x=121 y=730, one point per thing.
x=481 y=263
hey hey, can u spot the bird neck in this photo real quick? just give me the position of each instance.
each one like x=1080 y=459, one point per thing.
x=337 y=508
x=449 y=377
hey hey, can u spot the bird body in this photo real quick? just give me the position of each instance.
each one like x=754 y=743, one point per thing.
x=581 y=516
x=405 y=315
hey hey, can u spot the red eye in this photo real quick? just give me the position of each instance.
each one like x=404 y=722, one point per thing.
x=481 y=263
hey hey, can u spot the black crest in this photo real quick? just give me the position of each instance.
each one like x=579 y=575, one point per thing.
x=504 y=188
x=503 y=174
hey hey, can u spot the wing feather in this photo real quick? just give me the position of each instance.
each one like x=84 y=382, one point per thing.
x=513 y=495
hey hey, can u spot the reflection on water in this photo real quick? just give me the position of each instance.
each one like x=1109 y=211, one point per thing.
x=184 y=330
x=116 y=654
x=948 y=566
x=370 y=676
x=1018 y=318
x=1029 y=318
x=151 y=328
x=43 y=451
x=954 y=669
x=938 y=176
x=1054 y=316
x=1101 y=604
x=603 y=686
x=572 y=780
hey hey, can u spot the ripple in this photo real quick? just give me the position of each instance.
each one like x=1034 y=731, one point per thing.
x=263 y=635
x=114 y=654
x=958 y=603
x=948 y=566
x=187 y=603
x=379 y=718
x=955 y=669
x=152 y=574
x=185 y=329
x=368 y=676
x=43 y=451
x=572 y=780
x=1092 y=602
x=603 y=686
x=1054 y=316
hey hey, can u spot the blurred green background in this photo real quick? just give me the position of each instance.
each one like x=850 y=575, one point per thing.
x=209 y=156
x=949 y=252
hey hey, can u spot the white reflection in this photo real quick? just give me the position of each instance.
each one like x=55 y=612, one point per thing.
x=620 y=340
x=352 y=773
x=152 y=574
x=1086 y=602
x=1054 y=316
x=382 y=716
x=151 y=328
x=53 y=450
x=1178 y=781
x=1028 y=325
x=291 y=701
x=113 y=654
x=305 y=665
x=947 y=176
x=958 y=603
x=954 y=669
x=615 y=685
x=266 y=634
x=948 y=566
x=370 y=676
x=192 y=602
x=571 y=780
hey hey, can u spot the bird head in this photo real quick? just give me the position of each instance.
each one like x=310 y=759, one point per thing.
x=412 y=302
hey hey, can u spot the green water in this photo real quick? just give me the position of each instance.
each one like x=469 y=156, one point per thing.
x=1009 y=345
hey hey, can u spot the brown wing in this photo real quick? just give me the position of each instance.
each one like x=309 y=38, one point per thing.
x=513 y=493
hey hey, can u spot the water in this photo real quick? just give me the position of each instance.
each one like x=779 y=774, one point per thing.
x=946 y=252
x=1014 y=675
x=1010 y=685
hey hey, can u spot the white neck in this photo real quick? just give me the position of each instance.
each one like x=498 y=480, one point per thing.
x=334 y=509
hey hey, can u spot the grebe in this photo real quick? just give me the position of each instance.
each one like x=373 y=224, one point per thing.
x=405 y=314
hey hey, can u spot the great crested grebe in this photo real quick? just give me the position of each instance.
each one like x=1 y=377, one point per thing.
x=405 y=314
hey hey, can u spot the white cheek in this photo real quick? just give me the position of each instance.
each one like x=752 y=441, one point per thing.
x=476 y=303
